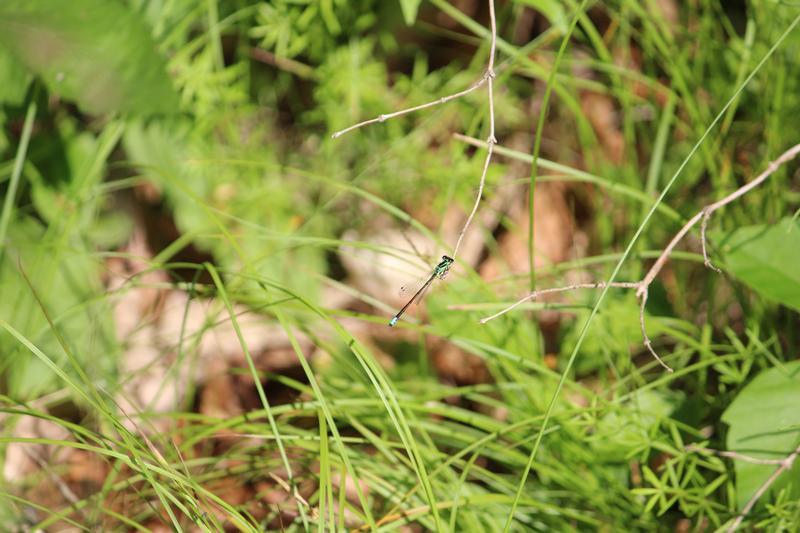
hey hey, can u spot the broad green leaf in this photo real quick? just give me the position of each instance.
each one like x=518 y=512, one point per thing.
x=764 y=422
x=765 y=258
x=410 y=8
x=95 y=52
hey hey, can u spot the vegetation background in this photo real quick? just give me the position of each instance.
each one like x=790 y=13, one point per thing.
x=196 y=279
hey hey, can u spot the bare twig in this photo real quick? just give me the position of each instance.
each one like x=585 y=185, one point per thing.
x=643 y=286
x=735 y=456
x=787 y=156
x=487 y=79
x=536 y=294
x=438 y=101
x=785 y=465
x=491 y=140
x=642 y=295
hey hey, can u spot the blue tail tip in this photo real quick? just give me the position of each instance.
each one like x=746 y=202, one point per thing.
x=392 y=322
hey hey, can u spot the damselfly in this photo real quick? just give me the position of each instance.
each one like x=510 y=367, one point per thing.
x=440 y=271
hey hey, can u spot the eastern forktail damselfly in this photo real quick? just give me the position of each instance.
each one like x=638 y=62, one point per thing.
x=440 y=271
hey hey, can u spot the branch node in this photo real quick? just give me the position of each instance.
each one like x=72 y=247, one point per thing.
x=641 y=291
x=708 y=264
x=649 y=346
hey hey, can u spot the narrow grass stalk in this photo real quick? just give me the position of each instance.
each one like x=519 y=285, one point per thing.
x=538 y=141
x=251 y=365
x=16 y=173
x=325 y=416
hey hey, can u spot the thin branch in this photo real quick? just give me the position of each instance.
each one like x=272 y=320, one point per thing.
x=664 y=256
x=491 y=141
x=488 y=76
x=536 y=294
x=438 y=101
x=735 y=456
x=787 y=156
x=487 y=79
x=785 y=465
x=642 y=295
x=643 y=286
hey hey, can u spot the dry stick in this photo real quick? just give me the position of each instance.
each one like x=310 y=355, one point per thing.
x=788 y=155
x=643 y=286
x=785 y=464
x=387 y=116
x=645 y=337
x=491 y=140
x=535 y=294
x=487 y=79
x=735 y=455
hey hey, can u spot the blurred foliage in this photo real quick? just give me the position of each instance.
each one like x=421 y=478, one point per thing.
x=206 y=125
x=98 y=54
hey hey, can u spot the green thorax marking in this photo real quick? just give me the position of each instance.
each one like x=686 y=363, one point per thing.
x=443 y=267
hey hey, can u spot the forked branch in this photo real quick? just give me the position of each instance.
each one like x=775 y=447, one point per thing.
x=783 y=465
x=642 y=287
x=487 y=79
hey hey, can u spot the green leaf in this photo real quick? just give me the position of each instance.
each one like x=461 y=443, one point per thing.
x=765 y=423
x=15 y=79
x=95 y=52
x=410 y=8
x=765 y=258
